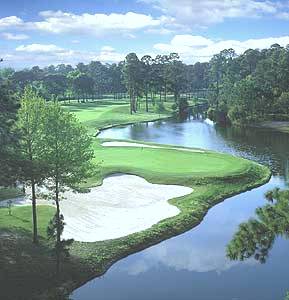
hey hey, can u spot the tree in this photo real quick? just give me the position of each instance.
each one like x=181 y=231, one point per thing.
x=146 y=75
x=132 y=74
x=177 y=78
x=30 y=116
x=8 y=139
x=68 y=157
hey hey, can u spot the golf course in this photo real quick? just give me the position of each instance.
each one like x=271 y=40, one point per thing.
x=207 y=178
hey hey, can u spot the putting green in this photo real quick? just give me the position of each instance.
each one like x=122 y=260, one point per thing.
x=167 y=162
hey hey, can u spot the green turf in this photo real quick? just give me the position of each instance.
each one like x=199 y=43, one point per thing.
x=169 y=162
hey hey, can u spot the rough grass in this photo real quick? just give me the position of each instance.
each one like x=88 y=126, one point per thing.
x=213 y=177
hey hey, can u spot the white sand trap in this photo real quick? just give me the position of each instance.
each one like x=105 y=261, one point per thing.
x=129 y=144
x=124 y=204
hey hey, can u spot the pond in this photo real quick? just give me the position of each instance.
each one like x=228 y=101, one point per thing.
x=194 y=265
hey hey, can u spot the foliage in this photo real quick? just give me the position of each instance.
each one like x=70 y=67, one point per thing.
x=251 y=87
x=67 y=156
x=8 y=137
x=61 y=248
x=33 y=168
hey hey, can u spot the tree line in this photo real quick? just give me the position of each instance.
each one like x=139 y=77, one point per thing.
x=242 y=88
x=148 y=78
x=251 y=87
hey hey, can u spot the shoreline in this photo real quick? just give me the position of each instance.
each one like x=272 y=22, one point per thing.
x=99 y=130
x=140 y=247
x=280 y=126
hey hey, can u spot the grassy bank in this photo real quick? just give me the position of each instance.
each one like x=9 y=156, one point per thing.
x=212 y=176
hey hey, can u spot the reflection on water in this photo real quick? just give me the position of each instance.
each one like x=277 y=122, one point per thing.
x=255 y=238
x=194 y=265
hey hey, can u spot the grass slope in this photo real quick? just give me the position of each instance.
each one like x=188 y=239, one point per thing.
x=213 y=177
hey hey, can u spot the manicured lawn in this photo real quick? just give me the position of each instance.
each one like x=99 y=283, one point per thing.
x=164 y=165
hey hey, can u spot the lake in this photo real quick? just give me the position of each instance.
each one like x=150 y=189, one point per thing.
x=194 y=265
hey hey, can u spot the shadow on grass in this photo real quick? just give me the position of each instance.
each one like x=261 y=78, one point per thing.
x=27 y=271
x=75 y=107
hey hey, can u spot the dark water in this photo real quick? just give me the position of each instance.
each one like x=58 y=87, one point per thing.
x=194 y=265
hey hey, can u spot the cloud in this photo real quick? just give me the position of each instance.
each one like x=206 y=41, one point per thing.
x=11 y=21
x=283 y=15
x=15 y=37
x=46 y=54
x=58 y=22
x=40 y=48
x=197 y=48
x=203 y=13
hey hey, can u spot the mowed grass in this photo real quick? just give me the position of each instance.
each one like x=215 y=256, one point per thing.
x=165 y=164
x=21 y=218
x=101 y=114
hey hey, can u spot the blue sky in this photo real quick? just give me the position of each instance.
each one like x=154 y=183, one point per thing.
x=43 y=32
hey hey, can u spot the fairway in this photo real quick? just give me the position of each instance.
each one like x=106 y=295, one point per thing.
x=99 y=114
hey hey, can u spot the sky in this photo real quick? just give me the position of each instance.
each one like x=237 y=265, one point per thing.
x=44 y=32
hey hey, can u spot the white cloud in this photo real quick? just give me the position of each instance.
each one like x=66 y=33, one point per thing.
x=11 y=21
x=46 y=54
x=58 y=22
x=40 y=48
x=61 y=22
x=202 y=13
x=15 y=37
x=108 y=49
x=197 y=48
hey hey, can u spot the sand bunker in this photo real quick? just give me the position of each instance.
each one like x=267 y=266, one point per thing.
x=124 y=204
x=128 y=144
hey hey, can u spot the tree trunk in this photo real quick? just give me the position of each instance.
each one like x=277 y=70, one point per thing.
x=130 y=106
x=58 y=233
x=147 y=106
x=34 y=213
